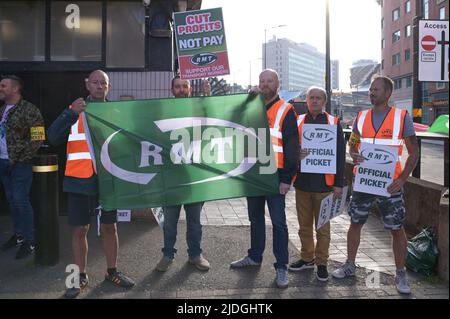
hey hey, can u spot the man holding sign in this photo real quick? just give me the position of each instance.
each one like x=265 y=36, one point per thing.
x=386 y=127
x=324 y=134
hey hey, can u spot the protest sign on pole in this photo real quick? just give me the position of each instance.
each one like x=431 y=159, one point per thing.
x=330 y=208
x=320 y=140
x=376 y=173
x=201 y=44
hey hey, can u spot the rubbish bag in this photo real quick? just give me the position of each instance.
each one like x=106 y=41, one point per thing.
x=422 y=252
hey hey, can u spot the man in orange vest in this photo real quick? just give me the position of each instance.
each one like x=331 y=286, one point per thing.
x=80 y=182
x=311 y=189
x=284 y=135
x=382 y=125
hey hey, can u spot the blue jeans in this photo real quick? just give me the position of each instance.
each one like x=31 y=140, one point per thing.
x=256 y=212
x=16 y=181
x=193 y=231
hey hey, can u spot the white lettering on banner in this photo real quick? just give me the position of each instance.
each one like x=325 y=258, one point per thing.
x=73 y=19
x=320 y=141
x=376 y=173
x=331 y=207
x=146 y=153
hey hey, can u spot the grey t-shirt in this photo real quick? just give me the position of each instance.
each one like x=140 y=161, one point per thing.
x=378 y=118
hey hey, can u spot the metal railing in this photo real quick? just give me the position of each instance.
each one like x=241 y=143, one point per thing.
x=424 y=136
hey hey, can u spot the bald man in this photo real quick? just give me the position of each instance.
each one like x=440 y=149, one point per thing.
x=80 y=182
x=283 y=129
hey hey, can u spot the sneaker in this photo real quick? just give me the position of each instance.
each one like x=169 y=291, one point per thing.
x=301 y=264
x=322 y=273
x=119 y=279
x=74 y=291
x=25 y=250
x=15 y=240
x=282 y=278
x=164 y=264
x=401 y=282
x=346 y=270
x=200 y=262
x=244 y=262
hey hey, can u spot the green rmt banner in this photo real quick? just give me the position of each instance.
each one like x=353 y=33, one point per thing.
x=153 y=153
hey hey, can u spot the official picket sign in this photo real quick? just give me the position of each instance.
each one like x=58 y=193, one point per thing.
x=201 y=43
x=376 y=173
x=320 y=141
x=331 y=207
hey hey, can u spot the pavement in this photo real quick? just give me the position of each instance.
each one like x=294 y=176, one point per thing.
x=225 y=239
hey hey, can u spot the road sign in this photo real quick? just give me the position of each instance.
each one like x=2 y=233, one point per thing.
x=428 y=43
x=433 y=50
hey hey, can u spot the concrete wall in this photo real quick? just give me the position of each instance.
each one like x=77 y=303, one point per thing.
x=425 y=207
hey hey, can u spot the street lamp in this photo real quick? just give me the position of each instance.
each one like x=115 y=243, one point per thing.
x=265 y=41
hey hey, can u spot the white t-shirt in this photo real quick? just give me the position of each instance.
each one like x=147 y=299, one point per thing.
x=3 y=147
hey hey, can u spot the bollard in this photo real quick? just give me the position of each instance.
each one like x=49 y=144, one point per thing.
x=45 y=204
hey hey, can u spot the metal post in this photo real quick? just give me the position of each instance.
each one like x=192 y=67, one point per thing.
x=327 y=60
x=446 y=162
x=45 y=204
x=417 y=86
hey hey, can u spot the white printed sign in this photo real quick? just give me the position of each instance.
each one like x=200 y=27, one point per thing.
x=433 y=50
x=330 y=208
x=320 y=141
x=376 y=173
x=158 y=212
x=123 y=215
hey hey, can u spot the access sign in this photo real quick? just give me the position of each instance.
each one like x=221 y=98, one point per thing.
x=433 y=50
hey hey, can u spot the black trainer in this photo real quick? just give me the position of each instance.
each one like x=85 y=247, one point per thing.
x=74 y=292
x=13 y=241
x=322 y=273
x=119 y=279
x=301 y=264
x=25 y=250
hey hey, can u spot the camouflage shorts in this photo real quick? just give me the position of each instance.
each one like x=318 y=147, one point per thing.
x=391 y=208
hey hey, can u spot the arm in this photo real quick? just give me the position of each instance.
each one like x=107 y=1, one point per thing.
x=35 y=124
x=59 y=130
x=413 y=155
x=291 y=152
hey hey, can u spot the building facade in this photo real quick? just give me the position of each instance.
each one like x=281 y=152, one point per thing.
x=54 y=45
x=299 y=65
x=397 y=46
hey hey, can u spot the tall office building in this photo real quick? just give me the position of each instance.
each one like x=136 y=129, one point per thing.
x=299 y=65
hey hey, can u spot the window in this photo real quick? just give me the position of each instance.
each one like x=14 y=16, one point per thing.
x=382 y=64
x=397 y=84
x=408 y=31
x=395 y=36
x=408 y=81
x=22 y=31
x=125 y=34
x=383 y=43
x=442 y=13
x=407 y=54
x=440 y=85
x=396 y=59
x=382 y=23
x=396 y=14
x=76 y=31
x=408 y=6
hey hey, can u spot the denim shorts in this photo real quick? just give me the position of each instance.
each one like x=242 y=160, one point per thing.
x=391 y=208
x=81 y=207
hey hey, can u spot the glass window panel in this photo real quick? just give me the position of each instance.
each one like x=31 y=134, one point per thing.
x=125 y=34
x=76 y=31
x=22 y=31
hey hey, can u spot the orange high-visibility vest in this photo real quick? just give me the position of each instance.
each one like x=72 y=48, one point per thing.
x=79 y=162
x=276 y=115
x=390 y=132
x=332 y=120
